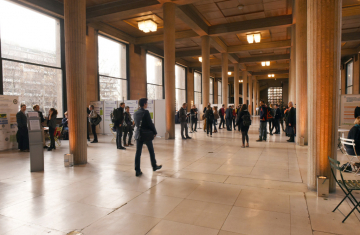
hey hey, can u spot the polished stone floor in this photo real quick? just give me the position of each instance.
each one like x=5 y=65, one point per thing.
x=207 y=186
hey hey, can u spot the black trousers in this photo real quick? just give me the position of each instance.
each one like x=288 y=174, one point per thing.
x=119 y=131
x=93 y=130
x=233 y=121
x=139 y=145
x=276 y=125
x=271 y=125
x=245 y=135
x=87 y=128
x=22 y=137
x=209 y=124
x=128 y=132
x=193 y=122
x=52 y=139
x=228 y=123
x=282 y=124
x=222 y=121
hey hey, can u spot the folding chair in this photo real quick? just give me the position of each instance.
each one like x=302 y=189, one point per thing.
x=347 y=186
x=112 y=132
x=349 y=142
x=57 y=135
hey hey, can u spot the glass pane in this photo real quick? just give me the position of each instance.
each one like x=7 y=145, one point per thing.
x=180 y=77
x=154 y=70
x=219 y=99
x=197 y=82
x=211 y=86
x=197 y=98
x=34 y=85
x=211 y=99
x=219 y=89
x=154 y=92
x=113 y=89
x=112 y=58
x=29 y=36
x=349 y=77
x=180 y=98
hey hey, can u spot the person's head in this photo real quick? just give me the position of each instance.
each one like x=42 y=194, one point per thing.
x=91 y=107
x=209 y=107
x=194 y=107
x=271 y=106
x=184 y=105
x=223 y=105
x=243 y=107
x=53 y=112
x=66 y=114
x=127 y=109
x=143 y=103
x=209 y=104
x=23 y=107
x=122 y=105
x=215 y=108
x=357 y=121
x=262 y=102
x=290 y=104
x=36 y=107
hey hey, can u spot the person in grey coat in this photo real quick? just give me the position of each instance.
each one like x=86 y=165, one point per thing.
x=183 y=122
x=143 y=116
x=52 y=126
x=22 y=134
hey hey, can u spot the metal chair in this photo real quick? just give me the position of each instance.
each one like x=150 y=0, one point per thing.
x=349 y=142
x=347 y=186
x=111 y=126
x=57 y=135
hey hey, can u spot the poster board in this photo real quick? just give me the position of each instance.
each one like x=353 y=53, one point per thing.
x=133 y=106
x=109 y=106
x=9 y=106
x=151 y=108
x=99 y=108
x=347 y=109
x=160 y=120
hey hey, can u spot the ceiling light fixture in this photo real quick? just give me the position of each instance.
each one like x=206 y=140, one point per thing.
x=251 y=38
x=265 y=63
x=147 y=26
x=229 y=73
x=200 y=59
x=240 y=81
x=240 y=7
x=271 y=75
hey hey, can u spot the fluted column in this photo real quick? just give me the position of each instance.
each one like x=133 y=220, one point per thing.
x=75 y=56
x=324 y=51
x=205 y=53
x=244 y=86
x=224 y=58
x=250 y=95
x=258 y=91
x=236 y=84
x=169 y=67
x=301 y=72
x=292 y=79
x=255 y=95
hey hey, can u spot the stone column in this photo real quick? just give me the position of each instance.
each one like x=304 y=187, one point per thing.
x=224 y=58
x=169 y=67
x=250 y=95
x=75 y=55
x=244 y=86
x=255 y=95
x=324 y=52
x=292 y=79
x=205 y=53
x=258 y=91
x=301 y=72
x=236 y=84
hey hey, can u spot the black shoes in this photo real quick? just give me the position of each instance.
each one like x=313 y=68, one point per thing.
x=45 y=147
x=95 y=141
x=259 y=140
x=49 y=149
x=122 y=148
x=138 y=173
x=183 y=138
x=188 y=137
x=157 y=168
x=290 y=141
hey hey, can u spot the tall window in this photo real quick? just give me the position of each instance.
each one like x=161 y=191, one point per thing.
x=275 y=95
x=349 y=77
x=154 y=77
x=219 y=92
x=211 y=92
x=112 y=69
x=180 y=85
x=31 y=57
x=197 y=88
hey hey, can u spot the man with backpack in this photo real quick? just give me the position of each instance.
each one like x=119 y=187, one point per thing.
x=222 y=119
x=277 y=119
x=229 y=118
x=183 y=121
x=263 y=120
x=270 y=117
x=118 y=119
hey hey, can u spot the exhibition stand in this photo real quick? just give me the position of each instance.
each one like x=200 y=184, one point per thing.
x=9 y=106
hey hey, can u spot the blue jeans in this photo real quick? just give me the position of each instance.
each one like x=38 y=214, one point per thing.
x=215 y=123
x=139 y=145
x=262 y=131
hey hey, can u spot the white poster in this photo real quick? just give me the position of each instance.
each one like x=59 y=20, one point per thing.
x=348 y=105
x=160 y=120
x=99 y=108
x=151 y=108
x=9 y=106
x=109 y=107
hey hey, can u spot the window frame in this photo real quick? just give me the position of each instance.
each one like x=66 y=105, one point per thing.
x=162 y=69
x=200 y=86
x=186 y=100
x=127 y=64
x=351 y=61
x=219 y=96
x=213 y=83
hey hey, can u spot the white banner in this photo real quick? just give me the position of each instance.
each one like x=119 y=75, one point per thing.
x=9 y=106
x=109 y=107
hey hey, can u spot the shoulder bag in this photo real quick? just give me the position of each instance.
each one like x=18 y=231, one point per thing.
x=145 y=134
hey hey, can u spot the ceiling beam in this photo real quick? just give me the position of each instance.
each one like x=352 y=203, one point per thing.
x=250 y=25
x=272 y=66
x=188 y=14
x=194 y=53
x=52 y=7
x=160 y=37
x=265 y=77
x=260 y=46
x=111 y=31
x=350 y=51
x=264 y=58
x=223 y=48
x=350 y=37
x=351 y=11
x=270 y=72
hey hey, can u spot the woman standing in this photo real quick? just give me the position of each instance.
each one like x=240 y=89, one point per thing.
x=194 y=118
x=209 y=116
x=52 y=126
x=92 y=117
x=216 y=117
x=244 y=122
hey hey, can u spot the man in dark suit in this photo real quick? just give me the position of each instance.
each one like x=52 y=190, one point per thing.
x=229 y=115
x=277 y=119
x=292 y=122
x=143 y=116
x=222 y=119
x=119 y=126
x=22 y=134
x=36 y=108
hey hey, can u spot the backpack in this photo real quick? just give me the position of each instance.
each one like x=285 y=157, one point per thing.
x=269 y=114
x=115 y=115
x=97 y=120
x=246 y=119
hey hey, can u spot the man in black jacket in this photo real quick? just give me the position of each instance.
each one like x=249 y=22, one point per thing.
x=119 y=128
x=22 y=134
x=143 y=116
x=128 y=128
x=36 y=108
x=292 y=122
x=263 y=120
x=229 y=115
x=277 y=119
x=183 y=122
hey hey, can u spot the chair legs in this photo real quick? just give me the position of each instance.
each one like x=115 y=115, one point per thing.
x=355 y=203
x=355 y=207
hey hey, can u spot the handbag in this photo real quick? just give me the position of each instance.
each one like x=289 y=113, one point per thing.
x=145 y=134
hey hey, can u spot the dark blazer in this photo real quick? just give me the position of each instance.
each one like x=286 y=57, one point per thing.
x=229 y=113
x=278 y=114
x=21 y=120
x=147 y=123
x=193 y=115
x=209 y=115
x=292 y=117
x=52 y=122
x=65 y=122
x=42 y=119
x=121 y=120
x=354 y=134
x=240 y=118
x=182 y=114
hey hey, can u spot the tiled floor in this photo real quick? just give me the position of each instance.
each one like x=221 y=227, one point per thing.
x=206 y=186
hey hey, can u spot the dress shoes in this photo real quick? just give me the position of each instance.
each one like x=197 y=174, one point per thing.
x=183 y=138
x=95 y=141
x=138 y=173
x=157 y=168
x=188 y=137
x=122 y=148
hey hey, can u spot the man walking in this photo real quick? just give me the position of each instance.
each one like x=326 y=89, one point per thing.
x=291 y=122
x=118 y=119
x=277 y=119
x=183 y=122
x=229 y=118
x=263 y=120
x=222 y=119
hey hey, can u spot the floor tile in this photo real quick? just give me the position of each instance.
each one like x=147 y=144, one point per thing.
x=175 y=228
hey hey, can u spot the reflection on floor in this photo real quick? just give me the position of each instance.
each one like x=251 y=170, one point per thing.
x=207 y=186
